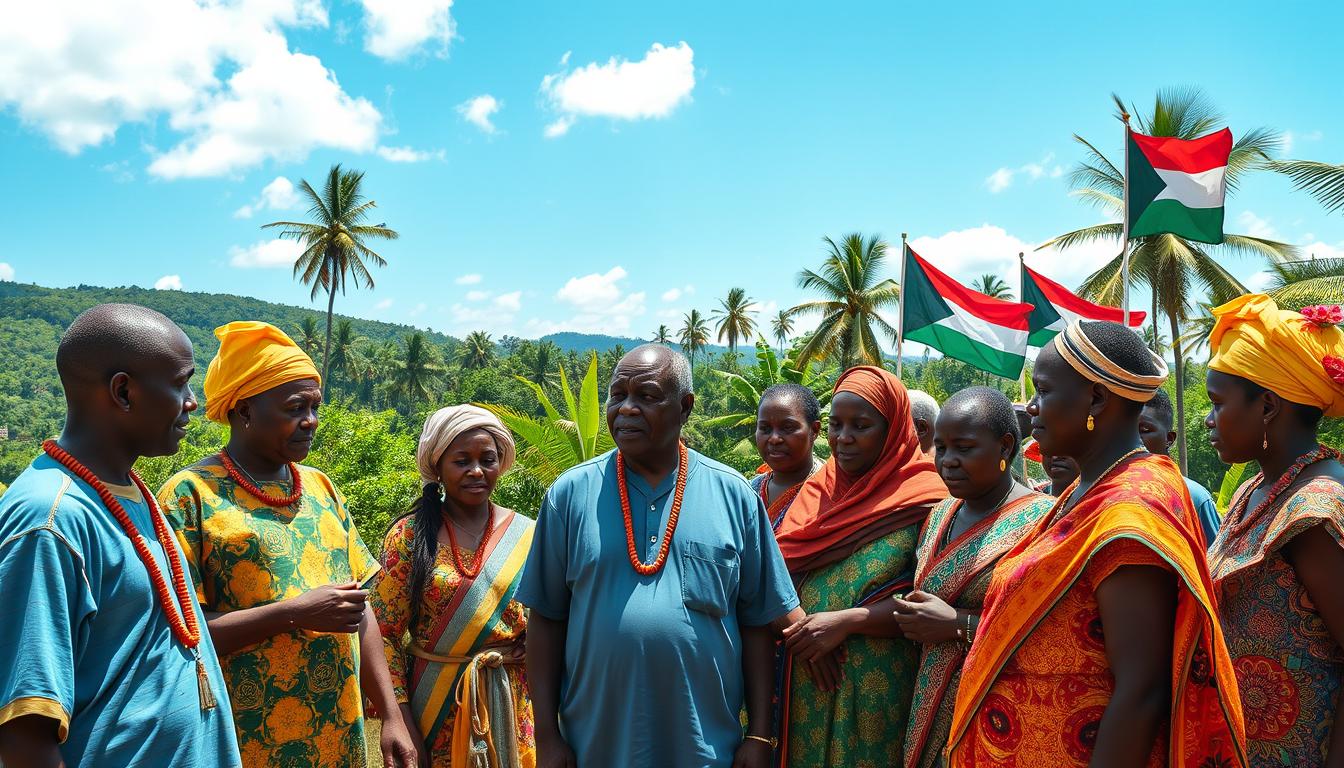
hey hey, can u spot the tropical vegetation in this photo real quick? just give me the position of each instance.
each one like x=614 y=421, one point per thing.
x=853 y=296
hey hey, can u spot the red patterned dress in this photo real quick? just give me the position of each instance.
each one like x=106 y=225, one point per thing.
x=1288 y=666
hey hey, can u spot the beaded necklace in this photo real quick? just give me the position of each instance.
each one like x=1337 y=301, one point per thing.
x=275 y=502
x=478 y=557
x=1242 y=521
x=182 y=616
x=640 y=567
x=776 y=510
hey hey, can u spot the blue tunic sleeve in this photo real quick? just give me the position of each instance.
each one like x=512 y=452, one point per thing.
x=765 y=592
x=544 y=585
x=40 y=571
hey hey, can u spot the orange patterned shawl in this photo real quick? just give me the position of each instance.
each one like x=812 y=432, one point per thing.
x=1144 y=500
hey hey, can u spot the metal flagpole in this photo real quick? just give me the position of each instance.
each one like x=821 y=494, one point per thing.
x=1124 y=231
x=1022 y=296
x=900 y=309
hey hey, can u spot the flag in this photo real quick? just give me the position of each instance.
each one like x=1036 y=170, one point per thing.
x=1054 y=306
x=1177 y=186
x=988 y=333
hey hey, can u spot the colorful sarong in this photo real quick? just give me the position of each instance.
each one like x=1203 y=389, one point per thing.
x=958 y=573
x=1011 y=712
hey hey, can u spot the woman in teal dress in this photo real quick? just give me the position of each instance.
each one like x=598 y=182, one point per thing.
x=975 y=441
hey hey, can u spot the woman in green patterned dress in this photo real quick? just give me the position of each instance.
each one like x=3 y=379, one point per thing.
x=975 y=441
x=849 y=541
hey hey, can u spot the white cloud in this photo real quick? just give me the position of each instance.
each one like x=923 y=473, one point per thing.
x=399 y=28
x=599 y=304
x=120 y=171
x=1044 y=168
x=168 y=283
x=1315 y=249
x=409 y=154
x=1258 y=282
x=968 y=253
x=383 y=305
x=477 y=295
x=1291 y=138
x=279 y=195
x=621 y=89
x=418 y=310
x=477 y=111
x=510 y=301
x=221 y=76
x=1255 y=226
x=472 y=279
x=671 y=295
x=6 y=273
x=266 y=254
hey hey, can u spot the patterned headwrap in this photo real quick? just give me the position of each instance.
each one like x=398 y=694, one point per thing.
x=253 y=357
x=444 y=425
x=1090 y=363
x=1298 y=356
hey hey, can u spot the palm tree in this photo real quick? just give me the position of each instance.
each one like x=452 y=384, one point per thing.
x=477 y=351
x=751 y=382
x=541 y=362
x=309 y=336
x=342 y=348
x=1171 y=267
x=1155 y=340
x=1297 y=284
x=694 y=335
x=416 y=369
x=663 y=336
x=992 y=286
x=782 y=326
x=554 y=443
x=334 y=242
x=852 y=297
x=1323 y=181
x=734 y=317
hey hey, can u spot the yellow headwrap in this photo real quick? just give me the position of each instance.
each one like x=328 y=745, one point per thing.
x=1281 y=351
x=253 y=357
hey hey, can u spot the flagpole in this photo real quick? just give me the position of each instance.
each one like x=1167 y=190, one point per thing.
x=1021 y=296
x=900 y=310
x=1124 y=232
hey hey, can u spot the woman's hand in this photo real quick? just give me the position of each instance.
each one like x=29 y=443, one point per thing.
x=401 y=747
x=817 y=635
x=925 y=618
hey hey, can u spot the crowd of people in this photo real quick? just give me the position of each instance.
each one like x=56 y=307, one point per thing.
x=908 y=601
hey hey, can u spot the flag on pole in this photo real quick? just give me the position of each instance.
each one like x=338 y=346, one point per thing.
x=1054 y=306
x=1177 y=186
x=988 y=333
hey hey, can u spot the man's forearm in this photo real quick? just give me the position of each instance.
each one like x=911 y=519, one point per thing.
x=758 y=661
x=30 y=742
x=545 y=663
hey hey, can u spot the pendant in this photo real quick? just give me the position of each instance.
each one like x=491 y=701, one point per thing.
x=203 y=686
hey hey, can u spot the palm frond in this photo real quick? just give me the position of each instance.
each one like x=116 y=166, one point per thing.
x=1323 y=181
x=1085 y=235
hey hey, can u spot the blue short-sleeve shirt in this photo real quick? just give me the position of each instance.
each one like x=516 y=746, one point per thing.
x=1205 y=509
x=87 y=644
x=653 y=664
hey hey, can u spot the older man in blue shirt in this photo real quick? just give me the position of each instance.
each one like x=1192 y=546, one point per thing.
x=652 y=580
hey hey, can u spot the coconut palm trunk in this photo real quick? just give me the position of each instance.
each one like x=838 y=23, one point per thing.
x=1178 y=357
x=326 y=352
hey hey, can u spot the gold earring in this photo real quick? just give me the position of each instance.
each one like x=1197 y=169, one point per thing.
x=1003 y=464
x=1091 y=425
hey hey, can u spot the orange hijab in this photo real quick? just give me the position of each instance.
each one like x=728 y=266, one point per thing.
x=835 y=514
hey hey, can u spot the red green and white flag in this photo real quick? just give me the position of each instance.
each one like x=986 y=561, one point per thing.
x=988 y=333
x=1177 y=186
x=1054 y=307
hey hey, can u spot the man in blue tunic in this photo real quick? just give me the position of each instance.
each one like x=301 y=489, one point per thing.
x=1158 y=435
x=652 y=580
x=101 y=666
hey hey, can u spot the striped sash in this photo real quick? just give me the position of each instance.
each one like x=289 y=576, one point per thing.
x=467 y=623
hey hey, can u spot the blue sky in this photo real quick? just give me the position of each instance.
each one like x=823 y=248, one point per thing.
x=605 y=167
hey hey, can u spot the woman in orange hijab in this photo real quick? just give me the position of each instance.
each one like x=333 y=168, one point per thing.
x=849 y=542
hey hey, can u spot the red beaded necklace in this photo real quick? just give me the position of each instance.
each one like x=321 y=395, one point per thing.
x=182 y=617
x=477 y=558
x=680 y=489
x=1321 y=453
x=243 y=482
x=776 y=511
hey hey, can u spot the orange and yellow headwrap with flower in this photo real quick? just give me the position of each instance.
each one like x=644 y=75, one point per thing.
x=1299 y=358
x=253 y=357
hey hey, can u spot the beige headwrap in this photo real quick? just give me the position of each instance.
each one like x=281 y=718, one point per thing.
x=444 y=425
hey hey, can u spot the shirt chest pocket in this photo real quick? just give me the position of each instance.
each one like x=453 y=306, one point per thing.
x=709 y=578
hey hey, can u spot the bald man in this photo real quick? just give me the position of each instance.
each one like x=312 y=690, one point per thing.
x=646 y=658
x=93 y=672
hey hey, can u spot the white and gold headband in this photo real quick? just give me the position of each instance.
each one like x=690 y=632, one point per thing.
x=1084 y=357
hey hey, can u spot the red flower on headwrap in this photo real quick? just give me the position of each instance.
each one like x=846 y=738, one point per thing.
x=1334 y=368
x=1324 y=314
